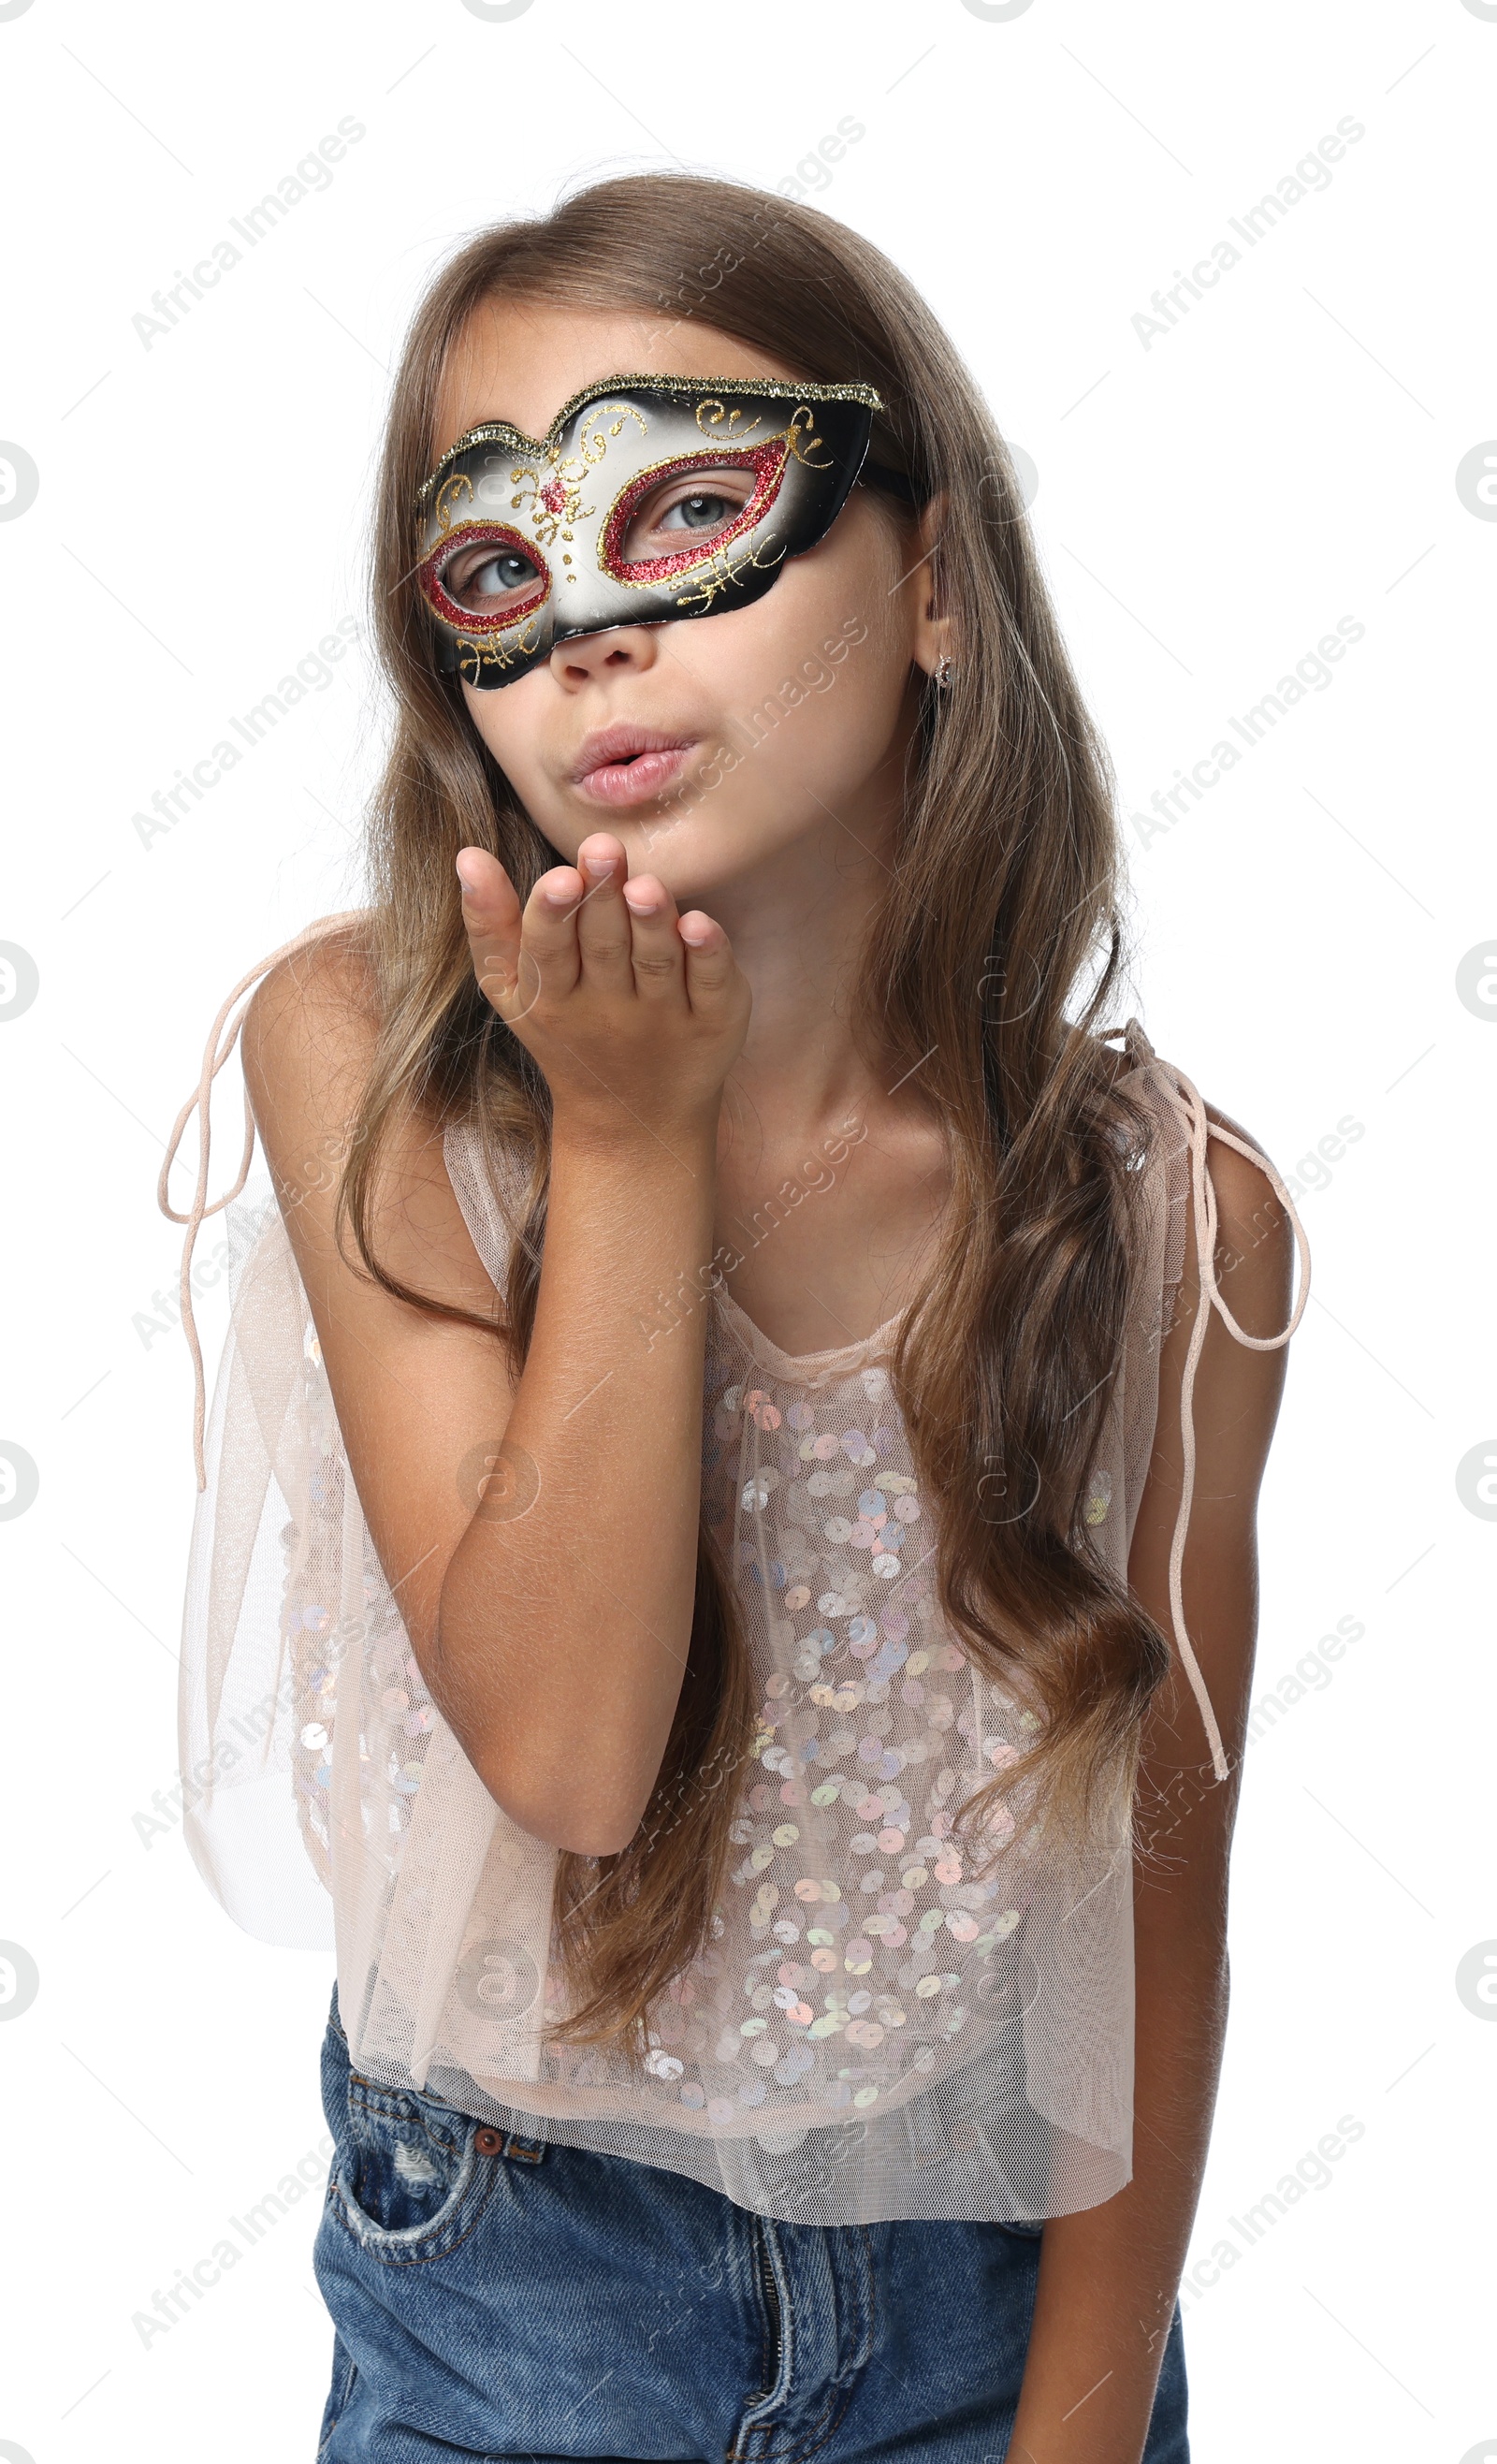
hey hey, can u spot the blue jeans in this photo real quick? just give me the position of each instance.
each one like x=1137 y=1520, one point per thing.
x=496 y=2297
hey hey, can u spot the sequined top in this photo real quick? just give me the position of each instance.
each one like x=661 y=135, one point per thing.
x=872 y=2029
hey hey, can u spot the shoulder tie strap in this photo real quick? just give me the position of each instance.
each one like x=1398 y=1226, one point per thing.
x=1185 y=1101
x=221 y=1042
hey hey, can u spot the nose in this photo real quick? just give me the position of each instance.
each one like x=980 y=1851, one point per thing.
x=585 y=657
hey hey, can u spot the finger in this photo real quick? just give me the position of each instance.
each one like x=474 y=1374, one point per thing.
x=710 y=963
x=656 y=955
x=491 y=921
x=602 y=922
x=548 y=953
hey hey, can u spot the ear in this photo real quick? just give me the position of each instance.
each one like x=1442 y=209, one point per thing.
x=932 y=637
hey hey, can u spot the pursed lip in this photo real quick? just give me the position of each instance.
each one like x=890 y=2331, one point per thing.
x=615 y=746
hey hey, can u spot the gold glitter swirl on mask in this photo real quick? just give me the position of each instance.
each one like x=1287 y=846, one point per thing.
x=794 y=439
x=713 y=413
x=724 y=574
x=500 y=650
x=593 y=446
x=447 y=496
x=550 y=518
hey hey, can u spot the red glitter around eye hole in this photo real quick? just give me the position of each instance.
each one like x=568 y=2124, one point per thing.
x=472 y=535
x=766 y=461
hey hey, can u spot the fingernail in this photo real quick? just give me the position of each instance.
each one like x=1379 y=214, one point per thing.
x=464 y=883
x=598 y=866
x=557 y=897
x=696 y=929
x=639 y=902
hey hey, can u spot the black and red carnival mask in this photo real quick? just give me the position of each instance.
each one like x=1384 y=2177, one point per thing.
x=651 y=500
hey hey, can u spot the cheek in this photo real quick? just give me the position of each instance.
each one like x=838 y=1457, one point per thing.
x=780 y=652
x=508 y=721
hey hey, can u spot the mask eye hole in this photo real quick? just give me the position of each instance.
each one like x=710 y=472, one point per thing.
x=484 y=575
x=672 y=518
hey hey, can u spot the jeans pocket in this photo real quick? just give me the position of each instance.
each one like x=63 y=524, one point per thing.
x=409 y=2183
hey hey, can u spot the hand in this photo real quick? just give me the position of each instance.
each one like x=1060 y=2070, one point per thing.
x=635 y=1014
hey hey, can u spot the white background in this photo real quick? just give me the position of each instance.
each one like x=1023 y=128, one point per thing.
x=1207 y=508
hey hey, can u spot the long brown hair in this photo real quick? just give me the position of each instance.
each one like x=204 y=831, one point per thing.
x=1003 y=911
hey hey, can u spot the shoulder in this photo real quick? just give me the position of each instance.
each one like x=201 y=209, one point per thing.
x=1255 y=1236
x=1254 y=1253
x=324 y=1099
x=316 y=1005
x=310 y=1042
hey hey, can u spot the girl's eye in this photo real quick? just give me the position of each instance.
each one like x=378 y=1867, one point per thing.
x=699 y=513
x=685 y=510
x=488 y=577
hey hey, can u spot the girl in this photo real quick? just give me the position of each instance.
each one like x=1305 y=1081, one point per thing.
x=738 y=1391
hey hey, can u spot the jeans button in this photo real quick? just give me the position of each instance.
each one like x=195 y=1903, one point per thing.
x=487 y=2142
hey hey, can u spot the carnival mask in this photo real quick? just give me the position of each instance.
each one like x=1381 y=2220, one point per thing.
x=651 y=498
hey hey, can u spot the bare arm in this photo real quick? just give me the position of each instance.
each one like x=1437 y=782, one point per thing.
x=1108 y=2276
x=550 y=1609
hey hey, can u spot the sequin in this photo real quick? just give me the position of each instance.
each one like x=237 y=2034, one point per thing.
x=857 y=1759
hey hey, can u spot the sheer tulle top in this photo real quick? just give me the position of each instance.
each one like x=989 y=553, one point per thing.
x=879 y=2025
